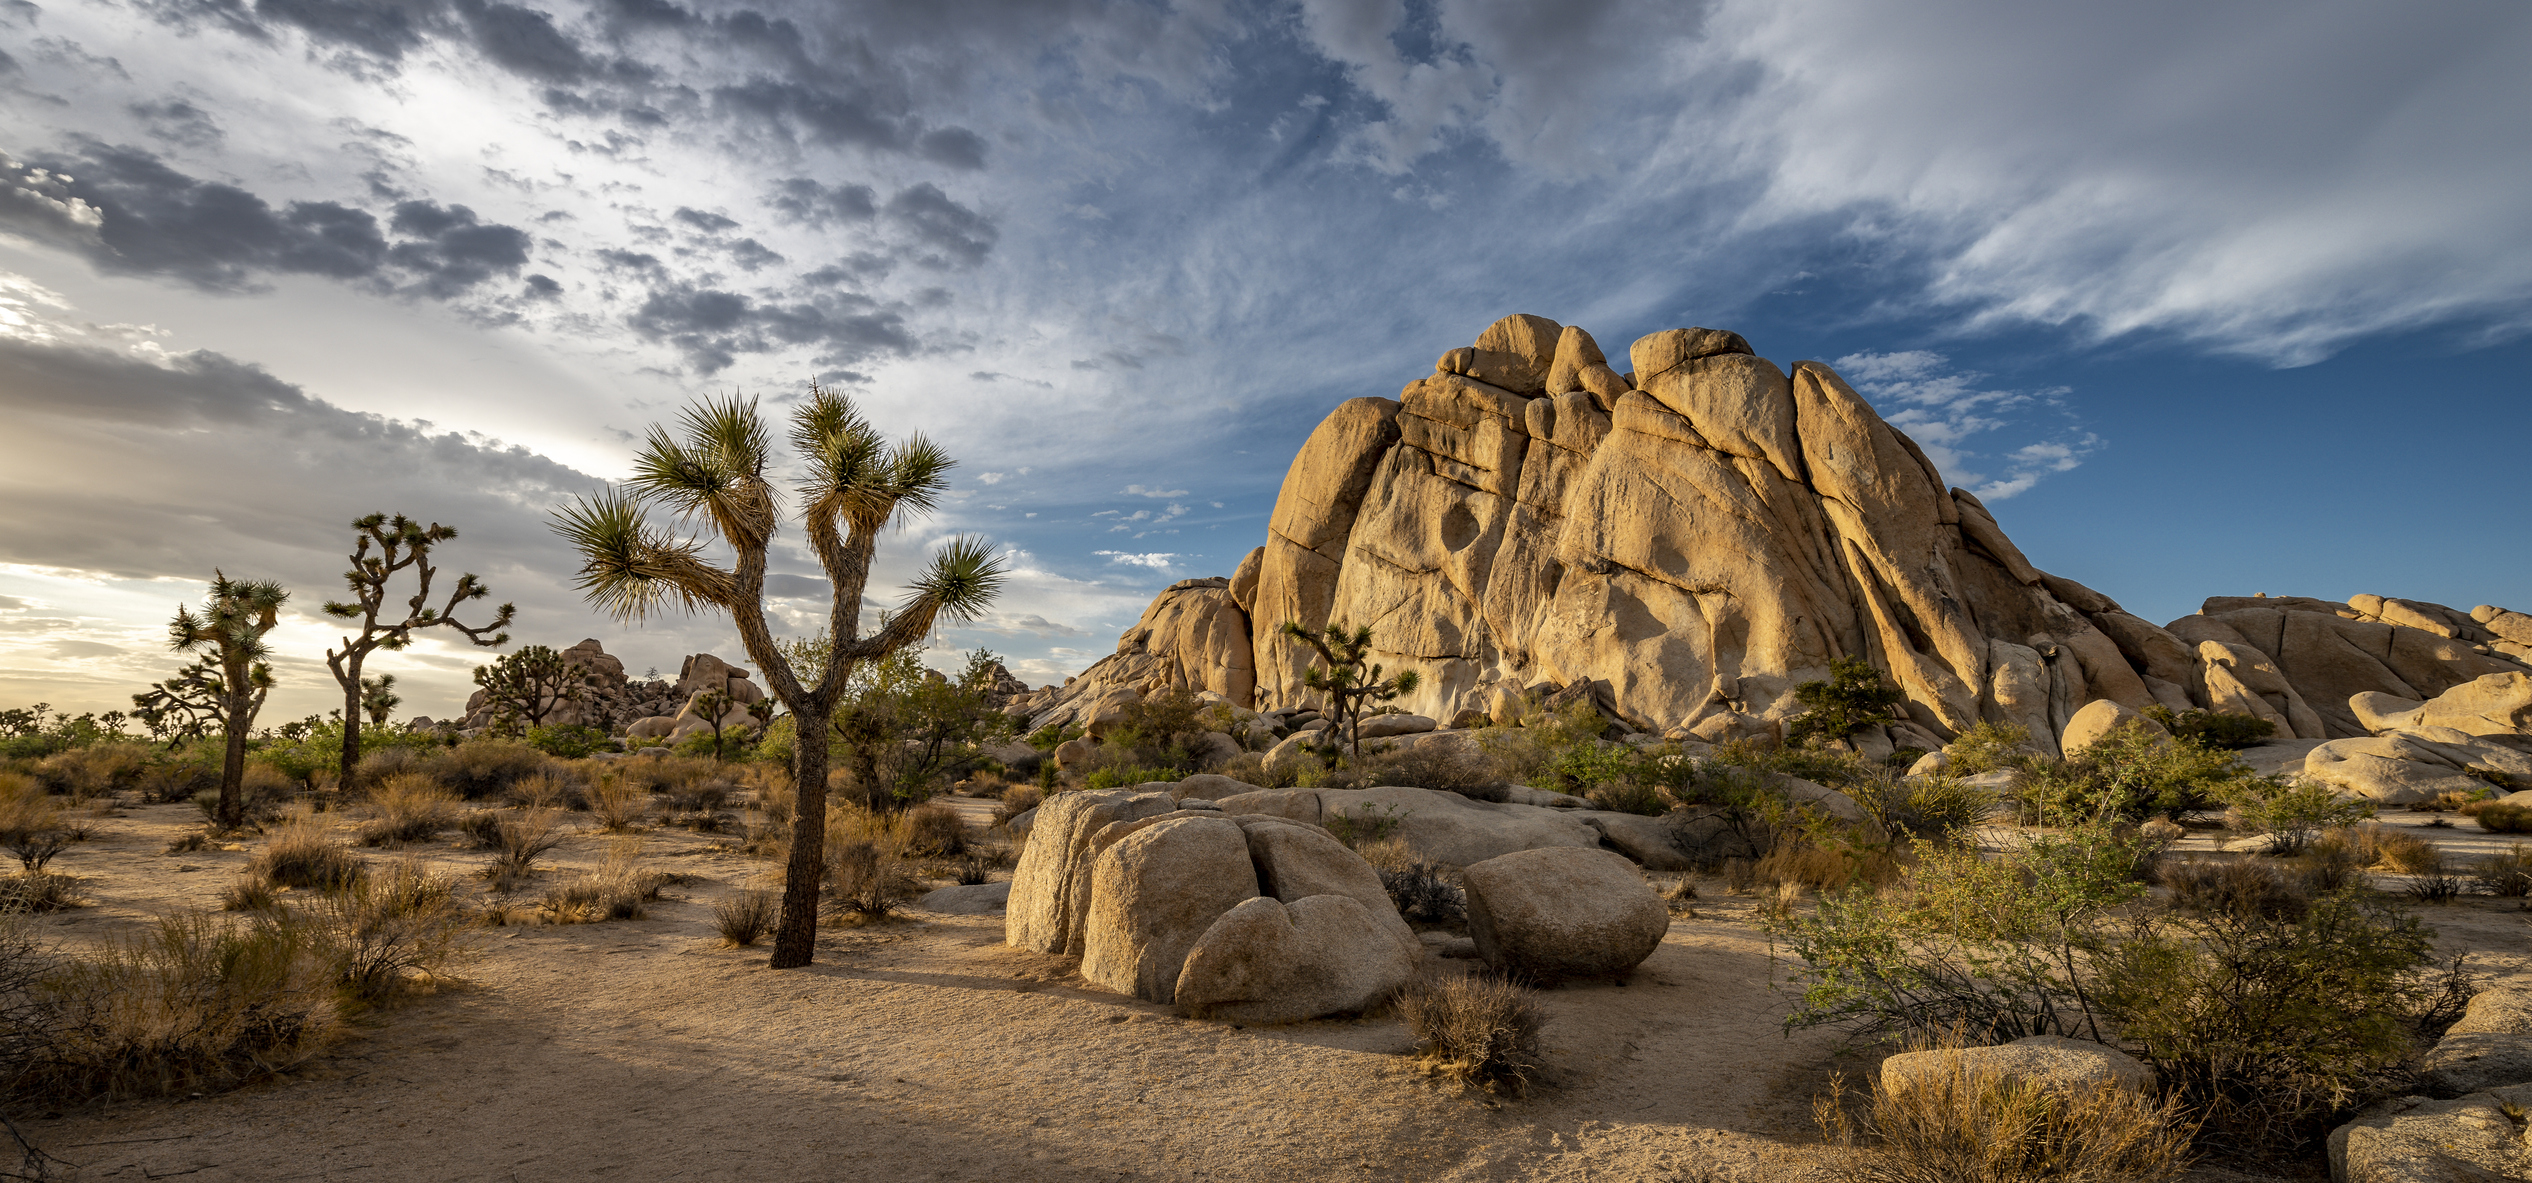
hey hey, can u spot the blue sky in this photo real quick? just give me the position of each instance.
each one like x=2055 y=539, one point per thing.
x=2205 y=299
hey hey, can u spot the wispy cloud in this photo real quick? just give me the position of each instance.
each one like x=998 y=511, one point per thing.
x=1947 y=411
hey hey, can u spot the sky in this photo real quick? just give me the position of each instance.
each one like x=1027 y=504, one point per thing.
x=2203 y=299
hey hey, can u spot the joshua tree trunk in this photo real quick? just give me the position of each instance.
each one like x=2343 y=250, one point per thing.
x=796 y=944
x=233 y=761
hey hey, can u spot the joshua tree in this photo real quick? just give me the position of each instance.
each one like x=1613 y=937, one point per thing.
x=401 y=542
x=378 y=700
x=855 y=484
x=711 y=706
x=233 y=673
x=186 y=706
x=526 y=686
x=1348 y=678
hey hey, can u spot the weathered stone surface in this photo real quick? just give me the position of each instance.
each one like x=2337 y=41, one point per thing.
x=2390 y=779
x=1301 y=805
x=1563 y=913
x=1296 y=861
x=1209 y=787
x=2046 y=1061
x=2415 y=1140
x=2243 y=680
x=1050 y=885
x=1451 y=829
x=1274 y=961
x=1153 y=894
x=2474 y=1062
x=2498 y=1010
x=1647 y=840
x=1381 y=726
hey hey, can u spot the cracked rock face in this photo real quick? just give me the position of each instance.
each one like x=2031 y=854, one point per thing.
x=1693 y=539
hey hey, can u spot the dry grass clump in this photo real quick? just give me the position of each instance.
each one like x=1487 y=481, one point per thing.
x=1425 y=897
x=33 y=828
x=1970 y=1124
x=1480 y=1032
x=620 y=803
x=2508 y=875
x=408 y=807
x=2498 y=817
x=932 y=830
x=518 y=841
x=745 y=918
x=865 y=879
x=546 y=791
x=2379 y=846
x=301 y=856
x=480 y=768
x=98 y=770
x=617 y=890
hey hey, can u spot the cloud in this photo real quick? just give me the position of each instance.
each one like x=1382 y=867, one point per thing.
x=712 y=326
x=799 y=199
x=1147 y=491
x=954 y=234
x=178 y=122
x=780 y=585
x=1157 y=562
x=1944 y=410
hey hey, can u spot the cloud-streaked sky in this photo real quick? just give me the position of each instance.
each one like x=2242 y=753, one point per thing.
x=2203 y=298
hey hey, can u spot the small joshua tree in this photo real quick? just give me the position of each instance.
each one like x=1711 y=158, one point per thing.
x=378 y=700
x=1348 y=677
x=186 y=706
x=712 y=706
x=401 y=542
x=854 y=486
x=233 y=675
x=526 y=686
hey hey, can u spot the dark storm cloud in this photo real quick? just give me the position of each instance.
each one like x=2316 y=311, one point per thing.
x=706 y=222
x=805 y=201
x=178 y=122
x=131 y=213
x=711 y=327
x=846 y=112
x=957 y=232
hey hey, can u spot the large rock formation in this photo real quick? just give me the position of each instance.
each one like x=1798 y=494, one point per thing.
x=1688 y=542
x=608 y=698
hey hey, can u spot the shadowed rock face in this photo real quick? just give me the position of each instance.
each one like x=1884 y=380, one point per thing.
x=1692 y=540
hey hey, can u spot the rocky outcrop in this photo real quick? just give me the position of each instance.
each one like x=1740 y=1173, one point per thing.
x=2051 y=1062
x=1684 y=543
x=607 y=699
x=1562 y=913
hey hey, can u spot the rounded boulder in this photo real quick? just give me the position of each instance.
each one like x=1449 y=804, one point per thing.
x=1563 y=912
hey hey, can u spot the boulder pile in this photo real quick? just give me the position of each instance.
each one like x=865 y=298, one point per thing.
x=2478 y=1081
x=1683 y=543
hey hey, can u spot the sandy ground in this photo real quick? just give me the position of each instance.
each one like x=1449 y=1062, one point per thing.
x=929 y=1050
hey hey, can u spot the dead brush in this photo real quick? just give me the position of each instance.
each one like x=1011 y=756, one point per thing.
x=932 y=830
x=1016 y=800
x=865 y=880
x=188 y=844
x=518 y=841
x=2508 y=875
x=408 y=808
x=617 y=890
x=299 y=855
x=1478 y=1032
x=2246 y=889
x=546 y=791
x=192 y=1003
x=2379 y=846
x=620 y=803
x=390 y=934
x=1965 y=1124
x=745 y=918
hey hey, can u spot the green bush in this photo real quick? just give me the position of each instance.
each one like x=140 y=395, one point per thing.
x=2274 y=1028
x=1938 y=806
x=2289 y=813
x=1128 y=776
x=568 y=742
x=1854 y=697
x=1988 y=747
x=480 y=768
x=2497 y=817
x=2214 y=729
x=2129 y=775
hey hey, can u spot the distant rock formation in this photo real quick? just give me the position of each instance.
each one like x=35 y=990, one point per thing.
x=610 y=700
x=1689 y=541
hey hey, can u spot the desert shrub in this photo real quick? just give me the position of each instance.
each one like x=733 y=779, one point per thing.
x=1423 y=896
x=1939 y=806
x=2395 y=850
x=249 y=894
x=1974 y=1124
x=1016 y=800
x=31 y=825
x=1126 y=776
x=188 y=843
x=300 y=855
x=617 y=890
x=1449 y=767
x=480 y=768
x=2437 y=886
x=379 y=763
x=701 y=795
x=38 y=892
x=2498 y=817
x=619 y=803
x=1983 y=948
x=2237 y=888
x=1369 y=824
x=408 y=807
x=932 y=830
x=746 y=917
x=1988 y=747
x=192 y=1003
x=864 y=879
x=1834 y=767
x=99 y=770
x=1480 y=1032
x=481 y=828
x=1250 y=768
x=548 y=791
x=179 y=777
x=1855 y=697
x=388 y=933
x=2272 y=1028
x=2288 y=813
x=1628 y=796
x=1050 y=737
x=2215 y=729
x=2129 y=775
x=1522 y=755
x=665 y=774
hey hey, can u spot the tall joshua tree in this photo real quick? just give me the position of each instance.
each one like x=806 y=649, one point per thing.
x=526 y=686
x=1348 y=676
x=401 y=542
x=855 y=484
x=229 y=634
